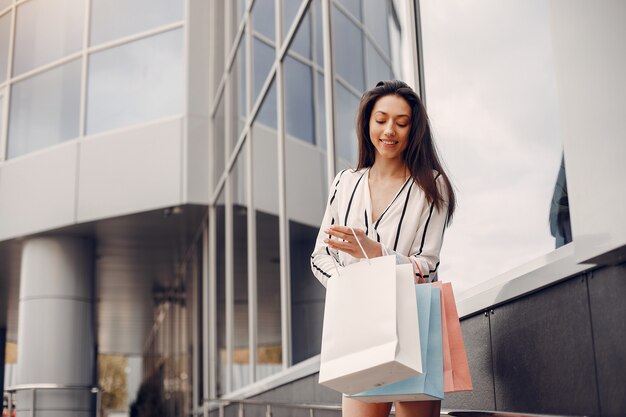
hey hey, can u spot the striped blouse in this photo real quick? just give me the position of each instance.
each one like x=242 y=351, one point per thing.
x=408 y=227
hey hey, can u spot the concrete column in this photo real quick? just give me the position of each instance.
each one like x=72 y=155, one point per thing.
x=56 y=337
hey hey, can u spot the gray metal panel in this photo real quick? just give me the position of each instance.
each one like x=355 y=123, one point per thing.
x=38 y=191
x=543 y=353
x=3 y=339
x=477 y=339
x=196 y=163
x=130 y=171
x=607 y=290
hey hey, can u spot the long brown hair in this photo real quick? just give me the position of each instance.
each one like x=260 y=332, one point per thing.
x=420 y=155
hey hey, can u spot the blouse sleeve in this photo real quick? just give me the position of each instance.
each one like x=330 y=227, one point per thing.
x=322 y=263
x=424 y=254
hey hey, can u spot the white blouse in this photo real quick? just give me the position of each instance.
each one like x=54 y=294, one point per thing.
x=408 y=227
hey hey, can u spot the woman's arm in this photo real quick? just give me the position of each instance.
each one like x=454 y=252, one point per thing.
x=322 y=263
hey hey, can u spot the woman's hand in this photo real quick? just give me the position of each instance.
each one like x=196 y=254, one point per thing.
x=346 y=242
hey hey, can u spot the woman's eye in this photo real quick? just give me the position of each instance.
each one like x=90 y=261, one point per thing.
x=402 y=125
x=380 y=122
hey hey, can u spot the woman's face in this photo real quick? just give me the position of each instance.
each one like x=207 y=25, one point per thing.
x=389 y=126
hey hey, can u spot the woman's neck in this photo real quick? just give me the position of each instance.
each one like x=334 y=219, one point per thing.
x=386 y=168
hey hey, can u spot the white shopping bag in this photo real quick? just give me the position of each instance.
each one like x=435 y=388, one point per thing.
x=370 y=336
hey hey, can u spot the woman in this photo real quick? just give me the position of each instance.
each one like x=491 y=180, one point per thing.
x=398 y=198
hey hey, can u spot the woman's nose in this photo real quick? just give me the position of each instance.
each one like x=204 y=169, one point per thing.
x=389 y=131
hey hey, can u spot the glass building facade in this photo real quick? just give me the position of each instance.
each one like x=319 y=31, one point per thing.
x=282 y=88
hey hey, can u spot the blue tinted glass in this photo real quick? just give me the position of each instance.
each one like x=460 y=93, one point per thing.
x=348 y=49
x=263 y=56
x=299 y=100
x=263 y=18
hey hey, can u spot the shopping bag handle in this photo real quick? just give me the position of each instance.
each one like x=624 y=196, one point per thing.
x=362 y=250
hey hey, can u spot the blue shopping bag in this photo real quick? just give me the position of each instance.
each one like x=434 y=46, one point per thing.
x=428 y=385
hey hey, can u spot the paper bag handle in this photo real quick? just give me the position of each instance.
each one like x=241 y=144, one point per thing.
x=360 y=246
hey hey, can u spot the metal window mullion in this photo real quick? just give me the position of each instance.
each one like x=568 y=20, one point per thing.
x=329 y=93
x=416 y=32
x=229 y=293
x=186 y=88
x=205 y=320
x=251 y=243
x=4 y=136
x=212 y=308
x=83 y=76
x=195 y=316
x=283 y=226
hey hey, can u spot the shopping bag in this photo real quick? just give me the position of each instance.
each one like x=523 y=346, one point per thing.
x=456 y=373
x=370 y=333
x=429 y=385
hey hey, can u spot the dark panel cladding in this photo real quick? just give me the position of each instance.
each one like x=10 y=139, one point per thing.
x=543 y=353
x=3 y=340
x=478 y=347
x=607 y=291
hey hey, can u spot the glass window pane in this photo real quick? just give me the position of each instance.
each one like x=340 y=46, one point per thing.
x=5 y=34
x=378 y=18
x=135 y=82
x=377 y=68
x=220 y=269
x=354 y=6
x=290 y=9
x=320 y=112
x=265 y=188
x=348 y=49
x=306 y=199
x=114 y=19
x=44 y=109
x=219 y=138
x=299 y=116
x=47 y=30
x=241 y=354
x=263 y=56
x=302 y=39
x=346 y=145
x=504 y=154
x=263 y=18
x=319 y=32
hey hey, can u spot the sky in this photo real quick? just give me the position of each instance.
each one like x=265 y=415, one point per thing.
x=492 y=99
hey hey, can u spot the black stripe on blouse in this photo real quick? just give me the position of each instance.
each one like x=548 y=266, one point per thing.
x=352 y=198
x=394 y=200
x=406 y=203
x=366 y=224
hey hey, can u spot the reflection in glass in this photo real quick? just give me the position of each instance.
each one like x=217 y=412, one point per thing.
x=263 y=18
x=114 y=19
x=265 y=188
x=44 y=109
x=504 y=155
x=346 y=147
x=5 y=32
x=220 y=269
x=560 y=225
x=347 y=49
x=241 y=354
x=238 y=88
x=299 y=117
x=263 y=56
x=267 y=113
x=135 y=82
x=59 y=32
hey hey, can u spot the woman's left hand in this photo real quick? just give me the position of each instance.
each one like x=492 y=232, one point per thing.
x=347 y=242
